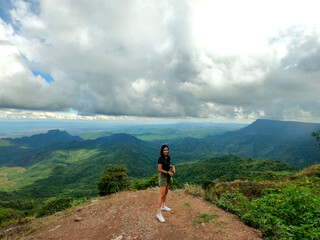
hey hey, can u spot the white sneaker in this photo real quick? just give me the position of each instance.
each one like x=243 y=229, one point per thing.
x=165 y=208
x=160 y=218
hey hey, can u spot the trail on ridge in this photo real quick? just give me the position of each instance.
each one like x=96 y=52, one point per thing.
x=131 y=215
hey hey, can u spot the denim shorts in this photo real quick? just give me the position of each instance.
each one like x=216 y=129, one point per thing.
x=164 y=179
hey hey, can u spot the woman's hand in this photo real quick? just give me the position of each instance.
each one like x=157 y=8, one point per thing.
x=171 y=174
x=173 y=169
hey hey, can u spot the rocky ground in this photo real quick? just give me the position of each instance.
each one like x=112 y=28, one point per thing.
x=132 y=215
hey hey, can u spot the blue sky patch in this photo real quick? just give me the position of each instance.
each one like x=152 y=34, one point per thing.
x=46 y=76
x=5 y=7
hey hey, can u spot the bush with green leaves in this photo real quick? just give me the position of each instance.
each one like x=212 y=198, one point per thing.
x=175 y=184
x=234 y=202
x=8 y=216
x=289 y=211
x=207 y=184
x=54 y=205
x=114 y=179
x=151 y=182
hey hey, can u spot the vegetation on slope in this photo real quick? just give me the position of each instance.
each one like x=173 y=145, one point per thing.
x=230 y=167
x=281 y=209
x=268 y=195
x=288 y=142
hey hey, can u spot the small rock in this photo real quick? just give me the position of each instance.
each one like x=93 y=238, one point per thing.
x=203 y=224
x=95 y=200
x=56 y=227
x=77 y=219
x=118 y=238
x=9 y=229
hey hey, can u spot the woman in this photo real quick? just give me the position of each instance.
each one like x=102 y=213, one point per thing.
x=164 y=180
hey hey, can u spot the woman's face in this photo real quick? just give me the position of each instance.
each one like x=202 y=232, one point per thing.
x=165 y=151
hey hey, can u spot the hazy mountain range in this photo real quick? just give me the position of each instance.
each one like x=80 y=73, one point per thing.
x=57 y=163
x=289 y=142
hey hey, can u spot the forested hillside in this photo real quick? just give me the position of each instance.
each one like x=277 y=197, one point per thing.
x=13 y=148
x=57 y=163
x=34 y=170
x=230 y=168
x=289 y=142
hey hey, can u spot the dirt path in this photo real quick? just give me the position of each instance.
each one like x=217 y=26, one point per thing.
x=131 y=215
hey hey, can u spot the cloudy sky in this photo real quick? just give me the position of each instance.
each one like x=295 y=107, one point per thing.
x=217 y=60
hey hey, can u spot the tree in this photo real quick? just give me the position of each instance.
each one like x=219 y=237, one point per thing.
x=114 y=179
x=317 y=136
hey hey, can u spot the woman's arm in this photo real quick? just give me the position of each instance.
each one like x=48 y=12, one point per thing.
x=160 y=169
x=164 y=171
x=173 y=168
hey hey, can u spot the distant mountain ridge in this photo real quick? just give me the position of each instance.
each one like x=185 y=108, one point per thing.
x=119 y=138
x=289 y=142
x=45 y=139
x=286 y=129
x=73 y=164
x=19 y=146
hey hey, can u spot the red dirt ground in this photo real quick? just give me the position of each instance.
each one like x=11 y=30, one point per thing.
x=132 y=215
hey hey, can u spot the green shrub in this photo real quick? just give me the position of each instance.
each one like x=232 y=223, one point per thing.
x=52 y=206
x=194 y=190
x=152 y=182
x=235 y=203
x=207 y=184
x=114 y=179
x=175 y=184
x=78 y=201
x=8 y=216
x=290 y=211
x=251 y=189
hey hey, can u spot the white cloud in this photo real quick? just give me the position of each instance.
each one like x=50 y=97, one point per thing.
x=11 y=114
x=163 y=59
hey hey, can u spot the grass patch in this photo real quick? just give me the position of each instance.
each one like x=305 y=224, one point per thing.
x=222 y=224
x=10 y=176
x=203 y=218
x=187 y=204
x=4 y=143
x=207 y=217
x=194 y=190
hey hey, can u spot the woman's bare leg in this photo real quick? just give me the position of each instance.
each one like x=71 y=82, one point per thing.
x=166 y=192
x=162 y=196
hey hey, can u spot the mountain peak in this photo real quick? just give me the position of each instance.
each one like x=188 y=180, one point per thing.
x=282 y=127
x=272 y=121
x=120 y=138
x=56 y=131
x=45 y=139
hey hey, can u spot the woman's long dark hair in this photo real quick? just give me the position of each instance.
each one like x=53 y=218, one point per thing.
x=161 y=151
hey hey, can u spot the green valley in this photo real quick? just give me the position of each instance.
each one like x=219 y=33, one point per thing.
x=57 y=167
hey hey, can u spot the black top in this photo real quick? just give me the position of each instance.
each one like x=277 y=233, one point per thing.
x=165 y=163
